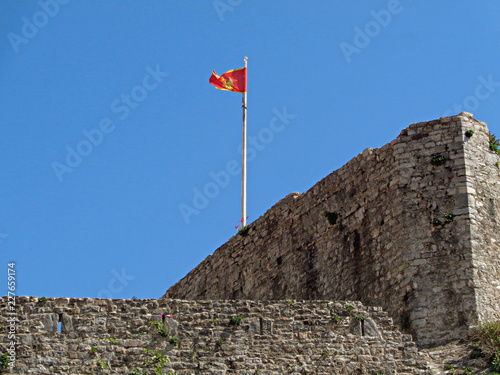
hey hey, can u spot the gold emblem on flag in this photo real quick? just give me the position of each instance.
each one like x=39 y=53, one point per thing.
x=228 y=84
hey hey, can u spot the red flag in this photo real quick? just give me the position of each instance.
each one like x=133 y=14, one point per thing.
x=233 y=80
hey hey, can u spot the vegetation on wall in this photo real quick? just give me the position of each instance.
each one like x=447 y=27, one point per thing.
x=448 y=218
x=163 y=325
x=487 y=340
x=155 y=360
x=494 y=143
x=236 y=320
x=469 y=133
x=438 y=160
x=4 y=361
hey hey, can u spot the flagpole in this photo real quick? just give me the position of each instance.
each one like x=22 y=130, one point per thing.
x=244 y=159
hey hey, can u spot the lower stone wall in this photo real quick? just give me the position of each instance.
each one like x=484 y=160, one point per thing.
x=274 y=337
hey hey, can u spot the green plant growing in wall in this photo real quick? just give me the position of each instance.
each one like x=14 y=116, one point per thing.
x=105 y=365
x=448 y=217
x=155 y=361
x=174 y=341
x=243 y=231
x=236 y=320
x=476 y=353
x=468 y=371
x=495 y=362
x=438 y=160
x=158 y=327
x=494 y=143
x=42 y=300
x=331 y=216
x=336 y=318
x=325 y=353
x=436 y=222
x=4 y=361
x=349 y=308
x=487 y=339
x=111 y=340
x=163 y=325
x=469 y=133
x=359 y=317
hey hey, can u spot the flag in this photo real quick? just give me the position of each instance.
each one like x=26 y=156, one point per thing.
x=233 y=80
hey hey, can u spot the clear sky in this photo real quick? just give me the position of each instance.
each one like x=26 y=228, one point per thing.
x=119 y=161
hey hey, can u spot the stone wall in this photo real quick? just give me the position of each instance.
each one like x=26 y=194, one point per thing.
x=483 y=188
x=400 y=236
x=274 y=337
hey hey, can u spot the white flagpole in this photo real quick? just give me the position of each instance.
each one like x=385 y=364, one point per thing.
x=244 y=160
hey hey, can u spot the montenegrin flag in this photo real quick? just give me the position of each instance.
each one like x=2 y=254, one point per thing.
x=234 y=80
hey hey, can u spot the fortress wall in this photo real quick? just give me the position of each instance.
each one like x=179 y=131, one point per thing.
x=483 y=176
x=392 y=244
x=274 y=337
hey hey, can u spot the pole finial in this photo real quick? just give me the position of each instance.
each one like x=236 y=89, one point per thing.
x=245 y=59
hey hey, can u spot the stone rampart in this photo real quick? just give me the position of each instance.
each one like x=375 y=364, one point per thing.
x=483 y=194
x=413 y=227
x=274 y=337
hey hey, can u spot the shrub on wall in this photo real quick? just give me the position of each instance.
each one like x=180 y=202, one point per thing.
x=487 y=338
x=236 y=320
x=438 y=160
x=4 y=361
x=469 y=133
x=494 y=143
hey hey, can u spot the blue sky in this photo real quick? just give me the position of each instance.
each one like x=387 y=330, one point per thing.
x=119 y=160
